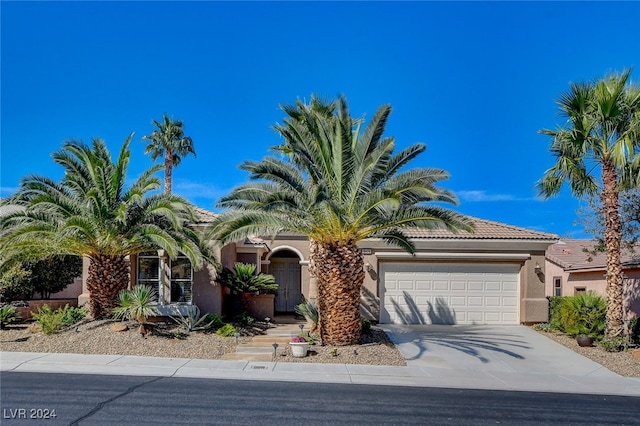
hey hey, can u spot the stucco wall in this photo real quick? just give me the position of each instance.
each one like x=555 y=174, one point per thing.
x=534 y=306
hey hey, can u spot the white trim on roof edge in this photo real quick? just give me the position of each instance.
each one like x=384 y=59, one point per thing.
x=450 y=255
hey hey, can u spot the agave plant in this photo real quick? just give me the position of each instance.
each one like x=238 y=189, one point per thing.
x=193 y=321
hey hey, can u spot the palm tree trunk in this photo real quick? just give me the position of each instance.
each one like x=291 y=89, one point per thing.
x=168 y=168
x=340 y=274
x=107 y=276
x=612 y=236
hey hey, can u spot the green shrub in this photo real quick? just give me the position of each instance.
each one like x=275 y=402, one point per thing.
x=366 y=326
x=51 y=321
x=542 y=326
x=226 y=330
x=616 y=344
x=582 y=314
x=48 y=319
x=15 y=283
x=244 y=318
x=555 y=302
x=72 y=315
x=8 y=314
x=215 y=320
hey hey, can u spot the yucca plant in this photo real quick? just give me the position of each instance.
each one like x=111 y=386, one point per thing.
x=137 y=304
x=309 y=310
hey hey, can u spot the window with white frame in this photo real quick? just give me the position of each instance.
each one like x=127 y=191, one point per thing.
x=557 y=286
x=149 y=271
x=150 y=267
x=181 y=280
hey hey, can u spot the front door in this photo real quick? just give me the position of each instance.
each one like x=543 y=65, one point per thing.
x=287 y=274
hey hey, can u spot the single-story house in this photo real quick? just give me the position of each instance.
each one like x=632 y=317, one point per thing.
x=572 y=268
x=492 y=276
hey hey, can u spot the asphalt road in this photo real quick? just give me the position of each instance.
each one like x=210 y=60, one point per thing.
x=28 y=398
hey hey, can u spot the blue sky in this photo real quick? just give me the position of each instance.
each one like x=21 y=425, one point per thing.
x=474 y=81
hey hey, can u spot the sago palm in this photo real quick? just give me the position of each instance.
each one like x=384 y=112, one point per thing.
x=597 y=151
x=91 y=213
x=339 y=184
x=169 y=142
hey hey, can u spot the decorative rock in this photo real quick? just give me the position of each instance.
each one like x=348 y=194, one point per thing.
x=34 y=328
x=118 y=327
x=636 y=354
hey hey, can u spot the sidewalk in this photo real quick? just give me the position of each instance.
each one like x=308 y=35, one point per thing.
x=604 y=382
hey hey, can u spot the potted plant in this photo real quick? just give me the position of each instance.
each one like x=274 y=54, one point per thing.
x=299 y=346
x=249 y=291
x=586 y=318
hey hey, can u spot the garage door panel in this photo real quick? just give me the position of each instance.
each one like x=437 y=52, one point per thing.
x=509 y=301
x=476 y=285
x=458 y=301
x=405 y=285
x=418 y=293
x=458 y=285
x=474 y=301
x=493 y=286
x=509 y=286
x=441 y=285
x=423 y=285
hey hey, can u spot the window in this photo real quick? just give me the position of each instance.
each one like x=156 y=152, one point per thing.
x=557 y=286
x=149 y=270
x=579 y=290
x=150 y=267
x=181 y=280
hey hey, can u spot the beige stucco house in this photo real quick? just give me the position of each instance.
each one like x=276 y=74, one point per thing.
x=492 y=276
x=571 y=268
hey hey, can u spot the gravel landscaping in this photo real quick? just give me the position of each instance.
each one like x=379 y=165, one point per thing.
x=98 y=337
x=622 y=363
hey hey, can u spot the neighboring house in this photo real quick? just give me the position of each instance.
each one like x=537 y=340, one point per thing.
x=492 y=276
x=572 y=268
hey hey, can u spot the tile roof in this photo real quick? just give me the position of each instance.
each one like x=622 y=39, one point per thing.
x=204 y=216
x=571 y=255
x=484 y=230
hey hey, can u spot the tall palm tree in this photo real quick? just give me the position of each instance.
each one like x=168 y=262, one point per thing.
x=91 y=213
x=601 y=136
x=337 y=186
x=168 y=141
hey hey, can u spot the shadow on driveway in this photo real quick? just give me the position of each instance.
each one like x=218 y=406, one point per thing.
x=450 y=343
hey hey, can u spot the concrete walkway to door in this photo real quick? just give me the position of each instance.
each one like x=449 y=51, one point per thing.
x=516 y=356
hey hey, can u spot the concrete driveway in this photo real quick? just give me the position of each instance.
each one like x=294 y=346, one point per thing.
x=488 y=349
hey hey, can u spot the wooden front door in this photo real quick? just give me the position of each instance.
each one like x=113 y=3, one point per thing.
x=287 y=274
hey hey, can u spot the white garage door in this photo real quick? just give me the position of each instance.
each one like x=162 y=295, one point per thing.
x=436 y=293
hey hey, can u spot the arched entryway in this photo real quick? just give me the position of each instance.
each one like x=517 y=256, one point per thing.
x=285 y=267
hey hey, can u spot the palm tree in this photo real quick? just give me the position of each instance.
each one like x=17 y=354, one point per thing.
x=90 y=213
x=339 y=186
x=168 y=141
x=601 y=135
